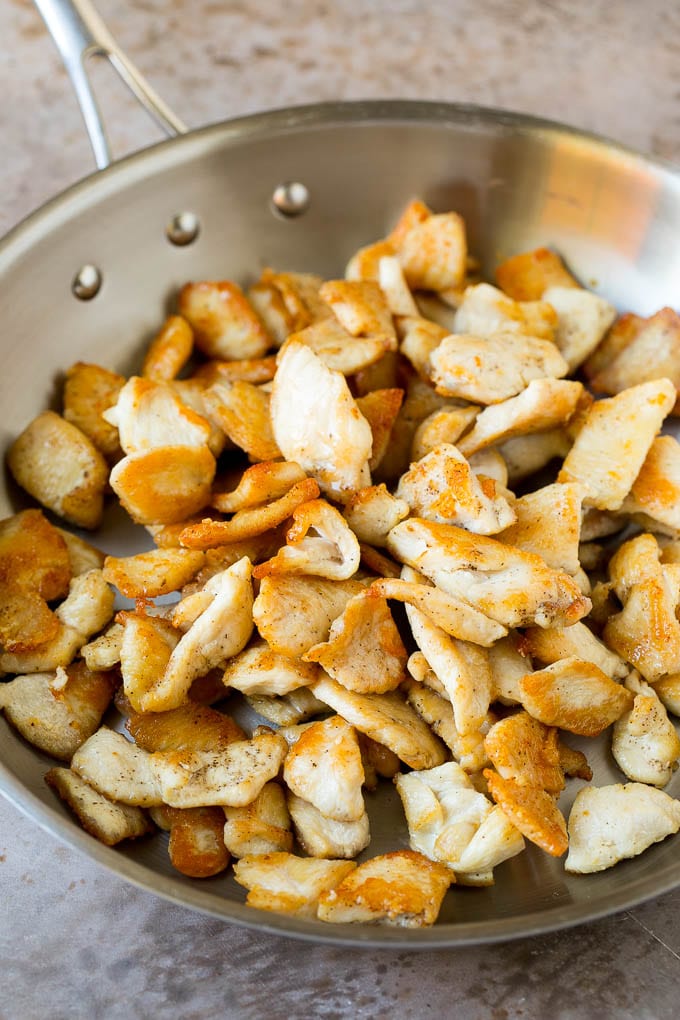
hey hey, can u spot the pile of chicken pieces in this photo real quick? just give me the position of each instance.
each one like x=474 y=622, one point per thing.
x=348 y=531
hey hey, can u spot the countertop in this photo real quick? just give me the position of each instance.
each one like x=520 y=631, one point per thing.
x=76 y=942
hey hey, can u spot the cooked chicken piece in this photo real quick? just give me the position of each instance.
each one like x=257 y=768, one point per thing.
x=402 y=889
x=583 y=319
x=489 y=465
x=526 y=454
x=324 y=767
x=259 y=484
x=642 y=350
x=117 y=769
x=191 y=727
x=419 y=337
x=634 y=561
x=153 y=573
x=443 y=487
x=250 y=522
x=461 y=667
x=487 y=370
x=654 y=499
x=150 y=415
x=287 y=302
x=57 y=712
x=645 y=745
x=555 y=643
x=394 y=287
x=222 y=630
x=89 y=604
x=600 y=524
x=527 y=276
x=286 y=884
x=668 y=690
x=509 y=663
x=293 y=613
x=107 y=821
x=364 y=651
x=224 y=323
x=287 y=709
x=445 y=426
x=532 y=810
x=543 y=405
x=433 y=252
x=165 y=485
x=450 y=822
x=193 y=394
x=327 y=436
x=380 y=409
x=623 y=332
x=419 y=402
x=169 y=351
x=523 y=749
x=320 y=836
x=60 y=467
x=259 y=670
x=26 y=621
x=144 y=651
x=58 y=651
x=511 y=586
x=372 y=513
x=414 y=213
x=375 y=562
x=574 y=763
x=82 y=556
x=387 y=718
x=549 y=524
x=437 y=712
x=611 y=447
x=232 y=777
x=331 y=550
x=261 y=827
x=485 y=310
x=361 y=308
x=365 y=263
x=243 y=412
x=607 y=824
x=196 y=845
x=377 y=760
x=456 y=618
x=104 y=652
x=252 y=370
x=88 y=391
x=574 y=695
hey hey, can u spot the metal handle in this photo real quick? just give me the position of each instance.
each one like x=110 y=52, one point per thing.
x=79 y=33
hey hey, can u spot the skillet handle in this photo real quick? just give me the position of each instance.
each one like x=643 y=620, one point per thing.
x=78 y=33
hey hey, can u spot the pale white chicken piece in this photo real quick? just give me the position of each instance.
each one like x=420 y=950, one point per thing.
x=419 y=338
x=485 y=310
x=293 y=613
x=394 y=286
x=548 y=523
x=583 y=318
x=89 y=604
x=489 y=464
x=513 y=587
x=462 y=668
x=432 y=250
x=324 y=767
x=223 y=629
x=541 y=407
x=104 y=652
x=338 y=349
x=645 y=745
x=402 y=889
x=287 y=709
x=107 y=821
x=150 y=415
x=327 y=435
x=551 y=644
x=57 y=711
x=509 y=662
x=144 y=652
x=654 y=499
x=495 y=368
x=387 y=718
x=443 y=487
x=361 y=308
x=444 y=426
x=259 y=670
x=372 y=512
x=526 y=454
x=614 y=441
x=230 y=777
x=450 y=822
x=437 y=711
x=153 y=573
x=610 y=823
x=118 y=769
x=261 y=827
x=82 y=556
x=318 y=542
x=286 y=884
x=320 y=836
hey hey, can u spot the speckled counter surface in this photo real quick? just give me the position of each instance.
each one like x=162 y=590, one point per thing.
x=76 y=942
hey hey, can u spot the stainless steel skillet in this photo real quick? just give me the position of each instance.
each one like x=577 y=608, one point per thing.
x=519 y=182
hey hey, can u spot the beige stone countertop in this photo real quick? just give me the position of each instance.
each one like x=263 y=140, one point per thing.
x=76 y=942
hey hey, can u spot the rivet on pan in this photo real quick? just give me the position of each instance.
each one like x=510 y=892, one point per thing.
x=290 y=199
x=183 y=228
x=86 y=282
